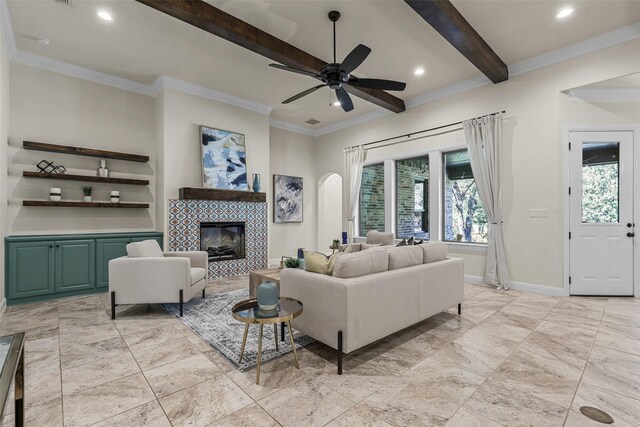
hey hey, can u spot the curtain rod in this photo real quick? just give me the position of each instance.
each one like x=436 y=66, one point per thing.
x=409 y=135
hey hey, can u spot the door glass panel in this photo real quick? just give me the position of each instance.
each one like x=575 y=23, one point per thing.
x=600 y=182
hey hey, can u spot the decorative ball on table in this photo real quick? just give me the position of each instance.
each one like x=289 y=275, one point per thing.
x=268 y=295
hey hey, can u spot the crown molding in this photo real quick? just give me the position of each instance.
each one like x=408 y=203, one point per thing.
x=605 y=95
x=603 y=41
x=71 y=70
x=166 y=82
x=291 y=127
x=363 y=118
x=7 y=28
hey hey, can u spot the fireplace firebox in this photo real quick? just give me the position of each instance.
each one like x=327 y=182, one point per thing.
x=223 y=241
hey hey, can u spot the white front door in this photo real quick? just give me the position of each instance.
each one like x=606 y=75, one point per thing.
x=601 y=213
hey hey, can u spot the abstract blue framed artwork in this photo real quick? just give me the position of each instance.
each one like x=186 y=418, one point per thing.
x=224 y=159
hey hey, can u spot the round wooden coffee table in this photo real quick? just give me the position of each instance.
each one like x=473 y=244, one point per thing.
x=249 y=312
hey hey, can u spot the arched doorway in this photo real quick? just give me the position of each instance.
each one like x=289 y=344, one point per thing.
x=329 y=210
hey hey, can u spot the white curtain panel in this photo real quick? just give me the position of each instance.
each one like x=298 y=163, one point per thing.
x=484 y=139
x=354 y=158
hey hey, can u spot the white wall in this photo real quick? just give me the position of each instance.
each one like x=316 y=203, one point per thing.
x=53 y=108
x=329 y=210
x=182 y=114
x=533 y=150
x=292 y=154
x=4 y=135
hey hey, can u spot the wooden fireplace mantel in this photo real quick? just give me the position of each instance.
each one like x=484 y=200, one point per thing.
x=188 y=193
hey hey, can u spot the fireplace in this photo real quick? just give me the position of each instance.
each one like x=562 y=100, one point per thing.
x=223 y=241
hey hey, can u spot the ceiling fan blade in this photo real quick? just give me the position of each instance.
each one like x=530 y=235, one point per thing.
x=301 y=94
x=345 y=99
x=294 y=70
x=355 y=58
x=377 y=84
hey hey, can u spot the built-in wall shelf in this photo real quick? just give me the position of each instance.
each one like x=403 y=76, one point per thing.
x=66 y=204
x=66 y=149
x=86 y=178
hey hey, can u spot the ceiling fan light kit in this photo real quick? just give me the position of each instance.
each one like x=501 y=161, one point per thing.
x=337 y=75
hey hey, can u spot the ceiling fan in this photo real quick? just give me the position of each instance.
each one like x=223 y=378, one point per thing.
x=337 y=74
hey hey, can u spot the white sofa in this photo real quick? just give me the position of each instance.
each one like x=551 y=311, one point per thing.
x=374 y=293
x=149 y=276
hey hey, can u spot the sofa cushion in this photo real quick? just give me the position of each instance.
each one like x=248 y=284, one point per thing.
x=434 y=251
x=361 y=263
x=317 y=262
x=197 y=274
x=404 y=256
x=374 y=236
x=144 y=249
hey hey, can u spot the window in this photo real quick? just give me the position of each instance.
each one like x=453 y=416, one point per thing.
x=412 y=198
x=372 y=199
x=465 y=219
x=600 y=182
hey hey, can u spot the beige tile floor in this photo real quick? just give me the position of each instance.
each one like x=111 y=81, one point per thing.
x=511 y=359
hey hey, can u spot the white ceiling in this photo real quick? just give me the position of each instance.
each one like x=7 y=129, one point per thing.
x=141 y=43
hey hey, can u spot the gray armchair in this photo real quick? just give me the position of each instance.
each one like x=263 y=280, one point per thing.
x=149 y=276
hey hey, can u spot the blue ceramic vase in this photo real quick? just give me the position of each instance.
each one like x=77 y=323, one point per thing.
x=268 y=295
x=256 y=182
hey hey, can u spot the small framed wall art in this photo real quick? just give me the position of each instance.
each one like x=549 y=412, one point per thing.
x=224 y=159
x=287 y=198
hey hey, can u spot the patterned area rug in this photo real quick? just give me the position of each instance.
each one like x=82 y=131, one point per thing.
x=210 y=318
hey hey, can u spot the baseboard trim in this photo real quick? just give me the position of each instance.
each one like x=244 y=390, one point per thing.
x=3 y=306
x=523 y=286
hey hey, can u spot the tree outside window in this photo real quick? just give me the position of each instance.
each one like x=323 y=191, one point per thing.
x=465 y=219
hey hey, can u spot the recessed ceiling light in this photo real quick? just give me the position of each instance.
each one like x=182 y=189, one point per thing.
x=105 y=15
x=418 y=71
x=336 y=104
x=43 y=41
x=563 y=13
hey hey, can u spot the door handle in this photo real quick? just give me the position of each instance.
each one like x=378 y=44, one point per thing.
x=629 y=225
x=631 y=234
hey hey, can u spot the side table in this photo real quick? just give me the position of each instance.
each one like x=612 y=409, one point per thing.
x=249 y=312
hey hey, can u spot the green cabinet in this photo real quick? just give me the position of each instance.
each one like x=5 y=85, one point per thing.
x=44 y=267
x=30 y=269
x=108 y=249
x=75 y=265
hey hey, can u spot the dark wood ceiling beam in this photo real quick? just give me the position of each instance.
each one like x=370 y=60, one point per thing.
x=445 y=19
x=217 y=22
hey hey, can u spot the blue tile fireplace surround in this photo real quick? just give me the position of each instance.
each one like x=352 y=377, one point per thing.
x=185 y=217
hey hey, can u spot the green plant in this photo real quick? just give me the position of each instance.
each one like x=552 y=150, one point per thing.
x=335 y=244
x=292 y=263
x=87 y=190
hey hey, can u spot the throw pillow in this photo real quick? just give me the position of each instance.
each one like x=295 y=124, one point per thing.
x=403 y=243
x=418 y=242
x=317 y=262
x=352 y=247
x=369 y=246
x=410 y=241
x=144 y=249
